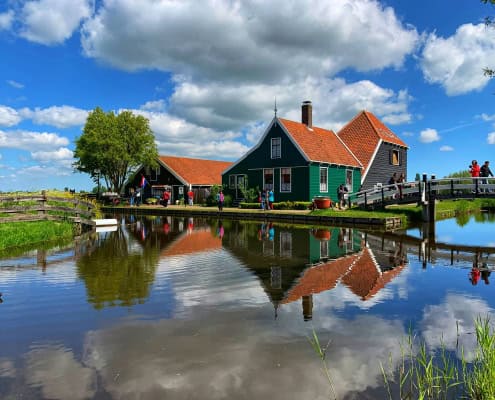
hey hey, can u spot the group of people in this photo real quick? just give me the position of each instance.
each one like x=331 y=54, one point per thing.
x=266 y=198
x=135 y=195
x=484 y=171
x=397 y=182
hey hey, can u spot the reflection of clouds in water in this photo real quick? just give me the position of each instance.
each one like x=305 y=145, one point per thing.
x=197 y=283
x=439 y=323
x=7 y=368
x=228 y=356
x=55 y=370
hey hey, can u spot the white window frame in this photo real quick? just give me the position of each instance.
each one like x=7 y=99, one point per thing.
x=282 y=187
x=349 y=184
x=265 y=185
x=324 y=251
x=232 y=181
x=394 y=151
x=324 y=189
x=273 y=143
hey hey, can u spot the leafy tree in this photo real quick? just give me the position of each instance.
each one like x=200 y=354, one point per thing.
x=112 y=146
x=460 y=174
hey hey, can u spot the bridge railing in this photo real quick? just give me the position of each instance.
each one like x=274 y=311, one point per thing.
x=463 y=187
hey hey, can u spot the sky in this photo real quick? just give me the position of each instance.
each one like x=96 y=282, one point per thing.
x=206 y=74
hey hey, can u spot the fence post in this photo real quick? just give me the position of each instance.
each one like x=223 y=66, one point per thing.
x=365 y=200
x=476 y=183
x=43 y=204
x=383 y=198
x=452 y=188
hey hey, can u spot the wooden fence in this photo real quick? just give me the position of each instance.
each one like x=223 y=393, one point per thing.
x=39 y=207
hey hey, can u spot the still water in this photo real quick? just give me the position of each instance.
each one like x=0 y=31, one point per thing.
x=166 y=308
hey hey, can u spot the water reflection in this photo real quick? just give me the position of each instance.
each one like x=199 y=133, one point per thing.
x=221 y=309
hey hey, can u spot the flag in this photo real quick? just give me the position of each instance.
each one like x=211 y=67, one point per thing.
x=144 y=182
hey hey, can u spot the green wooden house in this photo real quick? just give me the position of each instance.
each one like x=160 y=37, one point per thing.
x=296 y=160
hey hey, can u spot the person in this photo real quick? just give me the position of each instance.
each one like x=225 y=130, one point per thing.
x=220 y=200
x=131 y=196
x=485 y=172
x=138 y=196
x=165 y=198
x=400 y=184
x=485 y=274
x=263 y=200
x=190 y=197
x=474 y=275
x=271 y=199
x=341 y=192
x=221 y=230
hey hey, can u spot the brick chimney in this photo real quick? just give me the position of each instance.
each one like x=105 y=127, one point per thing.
x=307 y=113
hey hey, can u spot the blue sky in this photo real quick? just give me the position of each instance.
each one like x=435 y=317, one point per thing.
x=206 y=75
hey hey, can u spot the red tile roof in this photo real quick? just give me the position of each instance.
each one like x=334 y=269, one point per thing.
x=195 y=171
x=320 y=144
x=363 y=133
x=196 y=241
x=365 y=279
x=320 y=278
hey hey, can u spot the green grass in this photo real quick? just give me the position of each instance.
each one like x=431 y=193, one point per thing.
x=26 y=233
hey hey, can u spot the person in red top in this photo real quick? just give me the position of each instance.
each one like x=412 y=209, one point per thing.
x=165 y=198
x=190 y=196
x=474 y=168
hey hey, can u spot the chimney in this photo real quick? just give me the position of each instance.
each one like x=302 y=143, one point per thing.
x=307 y=113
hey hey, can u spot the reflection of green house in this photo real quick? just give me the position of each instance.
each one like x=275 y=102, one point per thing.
x=297 y=160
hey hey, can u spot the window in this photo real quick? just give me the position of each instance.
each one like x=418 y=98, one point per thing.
x=268 y=179
x=232 y=181
x=286 y=244
x=323 y=179
x=275 y=277
x=394 y=157
x=323 y=249
x=276 y=148
x=285 y=179
x=348 y=180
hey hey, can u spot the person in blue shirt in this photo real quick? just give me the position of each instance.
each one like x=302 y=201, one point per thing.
x=271 y=199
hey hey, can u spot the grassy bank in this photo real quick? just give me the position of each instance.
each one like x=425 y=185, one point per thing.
x=20 y=234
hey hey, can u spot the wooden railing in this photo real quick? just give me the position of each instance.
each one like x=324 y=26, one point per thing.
x=37 y=207
x=416 y=191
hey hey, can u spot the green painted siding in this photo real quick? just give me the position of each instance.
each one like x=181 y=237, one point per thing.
x=336 y=176
x=260 y=158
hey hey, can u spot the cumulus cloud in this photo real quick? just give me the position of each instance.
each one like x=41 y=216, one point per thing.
x=59 y=116
x=429 y=135
x=6 y=20
x=51 y=22
x=15 y=84
x=456 y=62
x=27 y=140
x=9 y=116
x=446 y=148
x=486 y=117
x=442 y=323
x=490 y=139
x=246 y=41
x=63 y=153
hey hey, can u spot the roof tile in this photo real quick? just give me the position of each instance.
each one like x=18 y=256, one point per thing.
x=196 y=171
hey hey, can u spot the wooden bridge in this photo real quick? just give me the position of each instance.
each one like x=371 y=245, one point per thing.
x=424 y=192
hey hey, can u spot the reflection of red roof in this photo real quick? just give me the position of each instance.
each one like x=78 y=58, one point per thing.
x=196 y=241
x=195 y=171
x=363 y=134
x=365 y=278
x=320 y=278
x=320 y=144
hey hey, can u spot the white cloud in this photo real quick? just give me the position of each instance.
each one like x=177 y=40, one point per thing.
x=490 y=139
x=42 y=171
x=246 y=41
x=15 y=84
x=59 y=116
x=27 y=140
x=51 y=22
x=429 y=135
x=446 y=148
x=456 y=62
x=154 y=105
x=63 y=153
x=6 y=20
x=486 y=117
x=9 y=116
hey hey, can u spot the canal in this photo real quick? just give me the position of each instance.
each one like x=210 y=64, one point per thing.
x=190 y=308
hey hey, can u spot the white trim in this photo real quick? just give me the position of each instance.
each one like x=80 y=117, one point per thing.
x=372 y=159
x=319 y=179
x=279 y=145
x=273 y=178
x=280 y=179
x=350 y=189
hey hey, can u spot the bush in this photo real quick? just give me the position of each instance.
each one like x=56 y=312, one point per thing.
x=282 y=205
x=249 y=206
